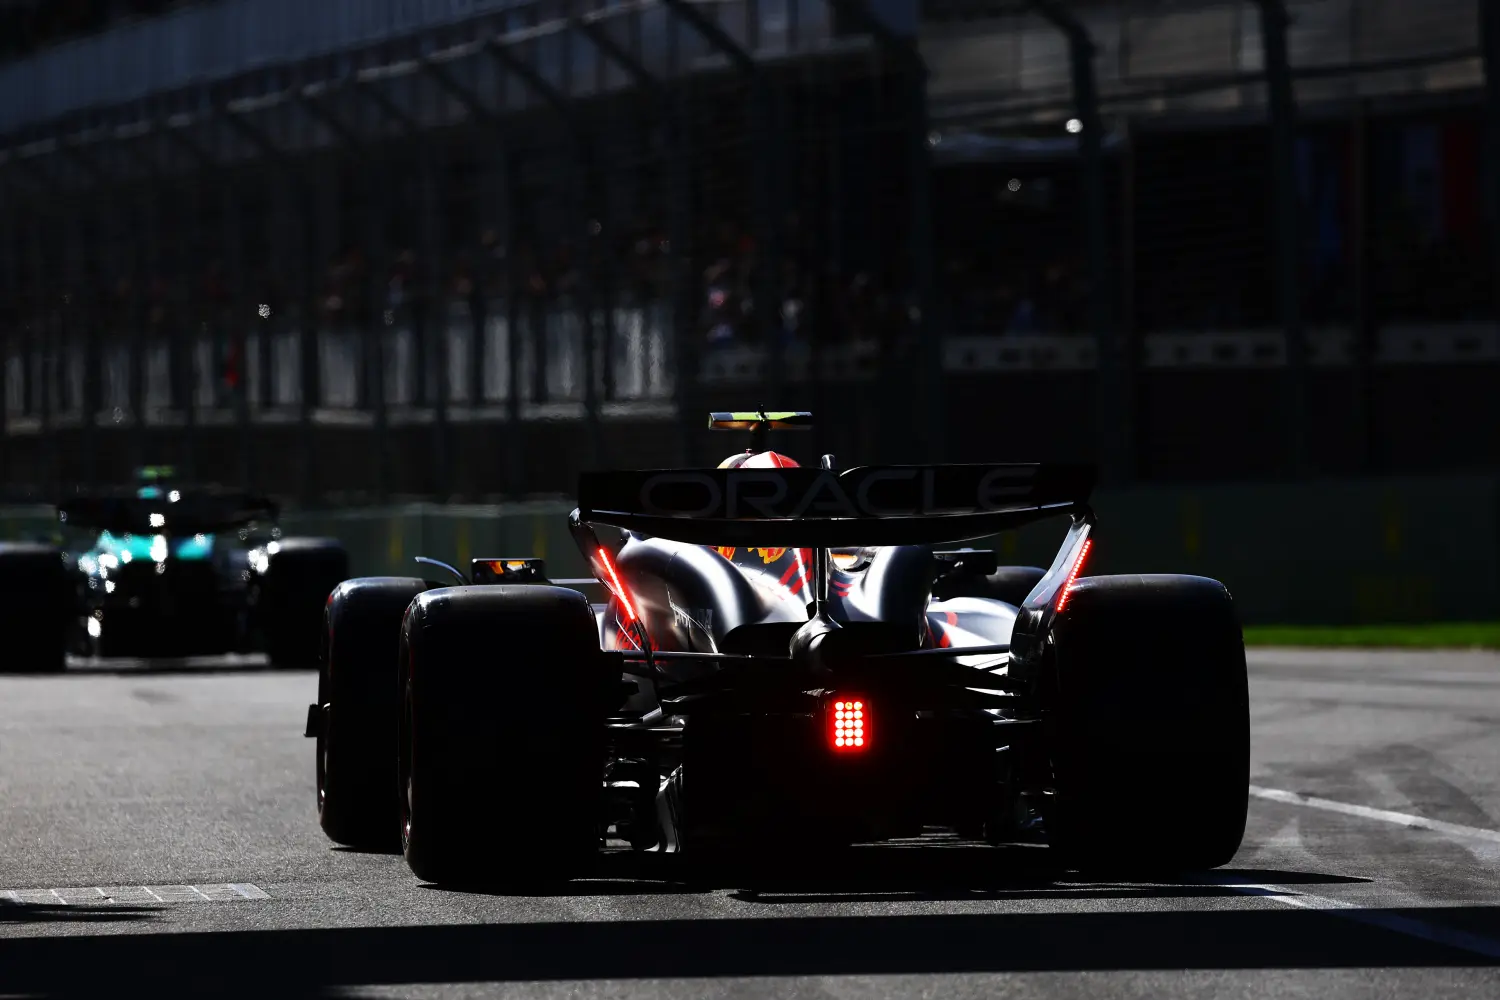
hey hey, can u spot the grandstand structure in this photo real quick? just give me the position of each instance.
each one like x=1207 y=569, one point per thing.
x=368 y=249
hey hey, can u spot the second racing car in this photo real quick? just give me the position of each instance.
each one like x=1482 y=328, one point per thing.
x=167 y=569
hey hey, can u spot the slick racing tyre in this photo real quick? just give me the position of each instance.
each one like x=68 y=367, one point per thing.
x=36 y=605
x=502 y=735
x=359 y=695
x=1149 y=725
x=299 y=576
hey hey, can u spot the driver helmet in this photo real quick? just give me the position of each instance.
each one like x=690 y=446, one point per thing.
x=761 y=460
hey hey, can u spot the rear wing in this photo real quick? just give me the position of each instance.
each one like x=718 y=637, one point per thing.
x=155 y=473
x=753 y=420
x=800 y=507
x=196 y=513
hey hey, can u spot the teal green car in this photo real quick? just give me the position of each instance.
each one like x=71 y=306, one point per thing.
x=166 y=569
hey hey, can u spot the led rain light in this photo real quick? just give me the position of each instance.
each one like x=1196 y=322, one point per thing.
x=615 y=584
x=1067 y=589
x=851 y=724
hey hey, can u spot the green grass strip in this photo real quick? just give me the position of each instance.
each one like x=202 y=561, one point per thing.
x=1434 y=635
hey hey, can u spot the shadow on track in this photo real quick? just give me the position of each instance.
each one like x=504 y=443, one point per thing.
x=955 y=871
x=959 y=871
x=916 y=885
x=38 y=913
x=313 y=963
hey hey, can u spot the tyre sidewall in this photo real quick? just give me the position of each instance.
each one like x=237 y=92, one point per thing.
x=504 y=739
x=1148 y=723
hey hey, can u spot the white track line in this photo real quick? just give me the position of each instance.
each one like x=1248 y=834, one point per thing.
x=1383 y=815
x=1449 y=937
x=1360 y=913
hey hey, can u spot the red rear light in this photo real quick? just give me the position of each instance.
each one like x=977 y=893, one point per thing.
x=849 y=724
x=612 y=580
x=1067 y=588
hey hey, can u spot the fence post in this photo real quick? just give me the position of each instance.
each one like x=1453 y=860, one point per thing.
x=103 y=252
x=767 y=205
x=81 y=318
x=10 y=311
x=1489 y=35
x=1363 y=329
x=12 y=257
x=146 y=267
x=1273 y=27
x=582 y=206
x=371 y=370
x=509 y=164
x=236 y=314
x=677 y=195
x=927 y=338
x=318 y=201
x=1115 y=398
x=682 y=277
x=298 y=197
x=436 y=315
x=515 y=280
x=368 y=86
x=51 y=299
x=182 y=332
x=92 y=358
x=40 y=346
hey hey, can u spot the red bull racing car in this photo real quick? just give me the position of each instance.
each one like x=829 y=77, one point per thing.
x=786 y=656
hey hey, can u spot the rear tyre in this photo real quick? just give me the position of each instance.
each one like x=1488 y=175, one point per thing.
x=299 y=577
x=35 y=611
x=502 y=735
x=360 y=696
x=1149 y=725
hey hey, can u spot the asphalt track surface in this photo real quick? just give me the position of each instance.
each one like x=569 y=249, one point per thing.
x=184 y=794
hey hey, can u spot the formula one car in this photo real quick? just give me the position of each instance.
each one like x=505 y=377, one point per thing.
x=168 y=569
x=786 y=658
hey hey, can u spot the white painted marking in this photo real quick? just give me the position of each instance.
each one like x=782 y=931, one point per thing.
x=248 y=891
x=217 y=893
x=1383 y=815
x=1449 y=937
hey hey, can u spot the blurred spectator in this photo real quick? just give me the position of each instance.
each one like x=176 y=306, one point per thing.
x=335 y=280
x=720 y=305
